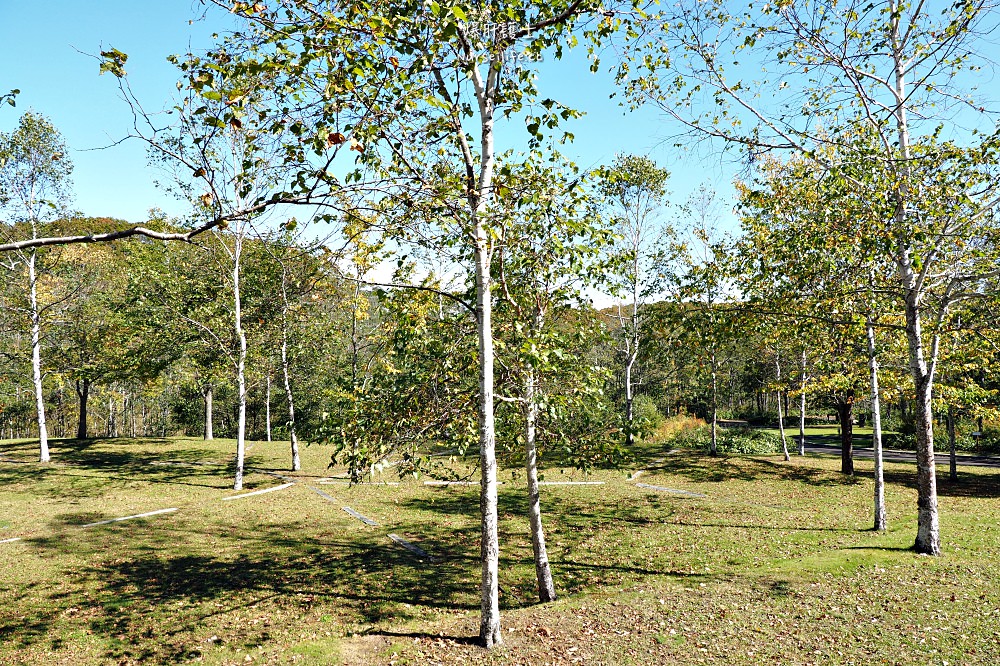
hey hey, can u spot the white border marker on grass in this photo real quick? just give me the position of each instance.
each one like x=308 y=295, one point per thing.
x=456 y=483
x=259 y=492
x=365 y=519
x=118 y=520
x=661 y=489
x=11 y=540
x=413 y=548
x=571 y=483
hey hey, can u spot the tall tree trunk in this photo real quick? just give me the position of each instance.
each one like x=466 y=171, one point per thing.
x=952 y=454
x=489 y=629
x=880 y=510
x=802 y=407
x=781 y=417
x=714 y=444
x=267 y=406
x=629 y=403
x=296 y=463
x=82 y=392
x=845 y=411
x=36 y=361
x=241 y=386
x=928 y=530
x=207 y=395
x=543 y=573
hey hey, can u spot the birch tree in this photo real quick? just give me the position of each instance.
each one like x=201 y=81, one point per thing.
x=634 y=189
x=34 y=191
x=417 y=90
x=837 y=69
x=548 y=256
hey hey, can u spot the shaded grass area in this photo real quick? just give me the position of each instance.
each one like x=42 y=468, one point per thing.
x=775 y=564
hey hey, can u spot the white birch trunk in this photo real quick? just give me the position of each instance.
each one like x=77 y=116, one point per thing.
x=296 y=463
x=880 y=511
x=714 y=444
x=802 y=407
x=241 y=422
x=36 y=361
x=952 y=455
x=208 y=413
x=267 y=406
x=543 y=573
x=928 y=532
x=489 y=629
x=781 y=417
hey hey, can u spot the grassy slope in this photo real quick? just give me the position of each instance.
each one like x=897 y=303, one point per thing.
x=774 y=565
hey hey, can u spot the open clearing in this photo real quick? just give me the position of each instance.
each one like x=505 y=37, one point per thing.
x=774 y=564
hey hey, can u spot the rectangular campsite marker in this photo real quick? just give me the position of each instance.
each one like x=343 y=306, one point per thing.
x=118 y=520
x=258 y=492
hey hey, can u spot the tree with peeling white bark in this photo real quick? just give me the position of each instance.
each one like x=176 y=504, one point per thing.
x=550 y=253
x=34 y=191
x=837 y=70
x=415 y=88
x=634 y=189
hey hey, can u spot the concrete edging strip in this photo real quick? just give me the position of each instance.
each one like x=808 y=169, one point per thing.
x=118 y=520
x=661 y=489
x=365 y=519
x=416 y=550
x=571 y=483
x=258 y=492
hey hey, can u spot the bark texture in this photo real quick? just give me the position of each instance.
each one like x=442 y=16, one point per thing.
x=880 y=510
x=82 y=393
x=543 y=573
x=36 y=361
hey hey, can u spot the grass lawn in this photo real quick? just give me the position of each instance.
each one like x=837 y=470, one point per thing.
x=774 y=564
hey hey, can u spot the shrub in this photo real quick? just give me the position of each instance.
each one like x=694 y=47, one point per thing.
x=646 y=414
x=746 y=441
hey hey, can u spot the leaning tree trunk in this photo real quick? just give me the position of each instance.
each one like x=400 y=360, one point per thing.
x=82 y=392
x=845 y=411
x=543 y=573
x=880 y=510
x=36 y=361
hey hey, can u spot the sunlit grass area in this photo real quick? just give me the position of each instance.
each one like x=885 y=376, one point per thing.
x=729 y=560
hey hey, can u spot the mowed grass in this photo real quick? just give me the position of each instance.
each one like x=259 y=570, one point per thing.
x=775 y=564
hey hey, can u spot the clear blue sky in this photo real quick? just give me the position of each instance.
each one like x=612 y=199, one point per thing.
x=44 y=45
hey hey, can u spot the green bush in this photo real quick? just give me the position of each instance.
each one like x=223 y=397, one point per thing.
x=646 y=414
x=747 y=441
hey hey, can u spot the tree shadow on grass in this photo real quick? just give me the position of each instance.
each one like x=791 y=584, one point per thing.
x=703 y=468
x=86 y=468
x=151 y=605
x=980 y=482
